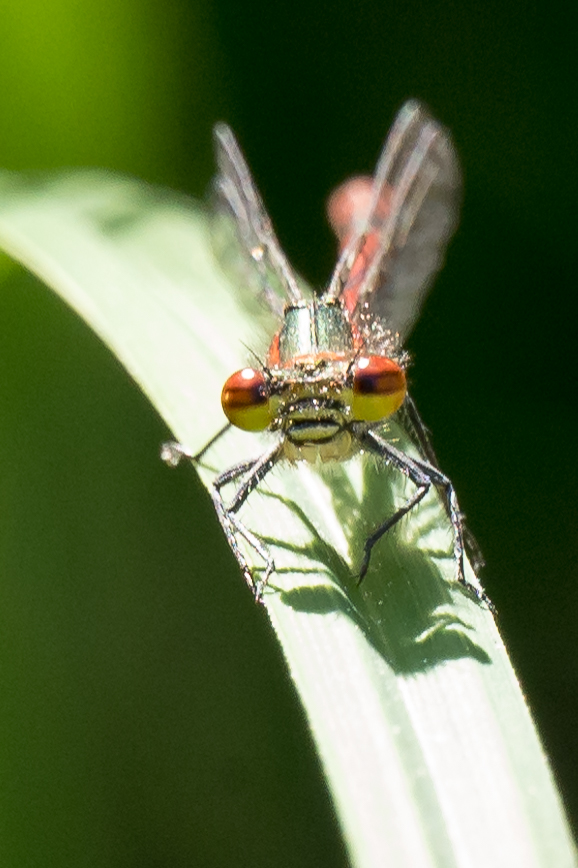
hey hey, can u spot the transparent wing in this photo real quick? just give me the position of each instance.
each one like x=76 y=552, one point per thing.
x=398 y=237
x=242 y=233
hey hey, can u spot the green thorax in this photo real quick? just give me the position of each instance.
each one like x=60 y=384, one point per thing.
x=313 y=328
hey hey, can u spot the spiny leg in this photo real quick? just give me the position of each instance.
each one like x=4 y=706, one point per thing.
x=440 y=480
x=173 y=452
x=423 y=475
x=385 y=450
x=255 y=471
x=231 y=528
x=473 y=547
x=383 y=528
x=420 y=434
x=416 y=428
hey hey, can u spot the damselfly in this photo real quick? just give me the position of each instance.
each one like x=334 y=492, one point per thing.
x=335 y=370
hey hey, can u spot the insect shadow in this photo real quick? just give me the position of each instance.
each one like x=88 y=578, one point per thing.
x=404 y=607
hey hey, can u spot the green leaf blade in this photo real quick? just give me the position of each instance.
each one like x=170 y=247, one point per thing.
x=430 y=752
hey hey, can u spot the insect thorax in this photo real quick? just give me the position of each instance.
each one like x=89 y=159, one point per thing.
x=311 y=382
x=314 y=328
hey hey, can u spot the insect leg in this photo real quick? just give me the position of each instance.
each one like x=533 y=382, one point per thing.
x=407 y=466
x=232 y=526
x=254 y=471
x=173 y=452
x=414 y=424
x=423 y=475
x=440 y=480
x=418 y=431
x=213 y=439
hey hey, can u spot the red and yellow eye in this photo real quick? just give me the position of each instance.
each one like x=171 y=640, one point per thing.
x=245 y=400
x=379 y=388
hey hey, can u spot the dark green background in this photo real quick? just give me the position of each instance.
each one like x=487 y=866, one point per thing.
x=145 y=717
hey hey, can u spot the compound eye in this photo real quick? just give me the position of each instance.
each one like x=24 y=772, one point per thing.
x=379 y=388
x=245 y=400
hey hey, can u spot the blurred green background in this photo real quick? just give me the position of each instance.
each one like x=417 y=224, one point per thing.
x=146 y=718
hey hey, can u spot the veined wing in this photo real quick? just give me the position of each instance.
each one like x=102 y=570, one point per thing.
x=242 y=229
x=399 y=236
